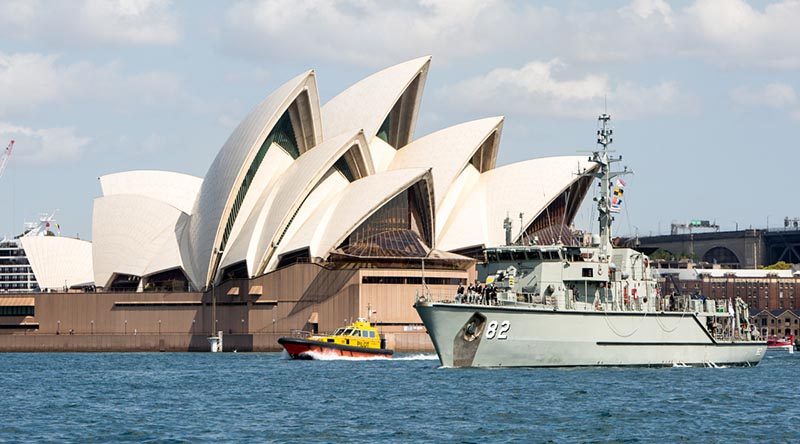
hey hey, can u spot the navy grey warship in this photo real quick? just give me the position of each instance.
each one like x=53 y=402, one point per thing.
x=560 y=305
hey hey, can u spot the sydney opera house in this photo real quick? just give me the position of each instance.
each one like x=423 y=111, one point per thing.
x=310 y=215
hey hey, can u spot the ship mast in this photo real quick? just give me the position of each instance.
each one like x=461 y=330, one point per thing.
x=605 y=159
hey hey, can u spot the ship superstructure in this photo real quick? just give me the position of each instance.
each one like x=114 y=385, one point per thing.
x=16 y=273
x=583 y=305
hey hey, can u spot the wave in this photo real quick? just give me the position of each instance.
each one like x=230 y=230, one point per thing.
x=333 y=357
x=418 y=357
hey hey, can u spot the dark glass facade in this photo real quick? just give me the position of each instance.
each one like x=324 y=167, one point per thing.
x=399 y=228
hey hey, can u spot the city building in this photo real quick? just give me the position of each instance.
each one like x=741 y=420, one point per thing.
x=780 y=323
x=760 y=289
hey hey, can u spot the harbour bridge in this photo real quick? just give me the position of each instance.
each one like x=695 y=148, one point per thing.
x=749 y=248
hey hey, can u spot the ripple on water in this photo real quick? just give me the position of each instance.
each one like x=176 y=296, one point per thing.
x=265 y=398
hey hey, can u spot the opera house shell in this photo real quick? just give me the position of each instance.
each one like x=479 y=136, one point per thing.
x=346 y=180
x=308 y=217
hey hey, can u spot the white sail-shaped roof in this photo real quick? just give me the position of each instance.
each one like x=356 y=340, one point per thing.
x=225 y=179
x=447 y=152
x=278 y=205
x=524 y=187
x=169 y=255
x=299 y=181
x=176 y=189
x=275 y=163
x=330 y=225
x=134 y=235
x=59 y=262
x=367 y=104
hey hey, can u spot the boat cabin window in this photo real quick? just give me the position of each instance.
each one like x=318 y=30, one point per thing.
x=347 y=332
x=518 y=255
x=338 y=331
x=364 y=334
x=587 y=272
x=491 y=257
x=356 y=333
x=550 y=255
x=372 y=334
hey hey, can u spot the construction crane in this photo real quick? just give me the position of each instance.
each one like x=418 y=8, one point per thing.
x=6 y=156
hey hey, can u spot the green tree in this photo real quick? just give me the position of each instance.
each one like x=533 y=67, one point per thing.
x=780 y=265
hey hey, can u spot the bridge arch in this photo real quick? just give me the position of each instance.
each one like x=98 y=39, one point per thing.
x=722 y=256
x=664 y=254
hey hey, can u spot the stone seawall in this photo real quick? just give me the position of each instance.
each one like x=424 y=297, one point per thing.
x=262 y=342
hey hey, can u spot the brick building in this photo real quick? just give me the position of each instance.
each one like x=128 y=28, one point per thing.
x=777 y=322
x=760 y=289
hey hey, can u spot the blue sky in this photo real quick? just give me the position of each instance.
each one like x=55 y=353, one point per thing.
x=704 y=93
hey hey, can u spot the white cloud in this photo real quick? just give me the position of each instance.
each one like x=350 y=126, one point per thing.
x=539 y=88
x=779 y=96
x=45 y=145
x=733 y=28
x=89 y=22
x=773 y=95
x=28 y=81
x=644 y=9
x=377 y=33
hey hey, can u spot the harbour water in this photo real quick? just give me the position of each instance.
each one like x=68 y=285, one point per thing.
x=204 y=397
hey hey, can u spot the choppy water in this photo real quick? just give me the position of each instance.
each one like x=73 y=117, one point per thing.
x=240 y=397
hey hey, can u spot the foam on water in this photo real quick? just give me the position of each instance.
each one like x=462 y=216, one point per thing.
x=418 y=357
x=334 y=357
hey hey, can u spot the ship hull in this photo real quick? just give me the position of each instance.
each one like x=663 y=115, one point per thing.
x=526 y=337
x=298 y=348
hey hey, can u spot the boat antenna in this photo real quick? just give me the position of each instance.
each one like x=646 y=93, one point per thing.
x=603 y=157
x=547 y=211
x=507 y=227
x=424 y=284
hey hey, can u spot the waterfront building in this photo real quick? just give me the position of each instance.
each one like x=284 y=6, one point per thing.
x=311 y=215
x=760 y=289
x=781 y=323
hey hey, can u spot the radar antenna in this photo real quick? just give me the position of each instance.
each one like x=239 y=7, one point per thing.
x=603 y=157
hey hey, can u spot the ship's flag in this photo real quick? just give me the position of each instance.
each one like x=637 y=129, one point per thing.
x=616 y=196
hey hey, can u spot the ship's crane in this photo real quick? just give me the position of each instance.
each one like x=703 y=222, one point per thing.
x=6 y=157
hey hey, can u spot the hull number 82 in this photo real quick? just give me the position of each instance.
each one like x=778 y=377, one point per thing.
x=497 y=330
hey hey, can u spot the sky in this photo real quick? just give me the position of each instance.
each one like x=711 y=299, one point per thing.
x=704 y=94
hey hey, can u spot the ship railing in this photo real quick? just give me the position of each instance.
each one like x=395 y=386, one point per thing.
x=436 y=295
x=301 y=334
x=444 y=296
